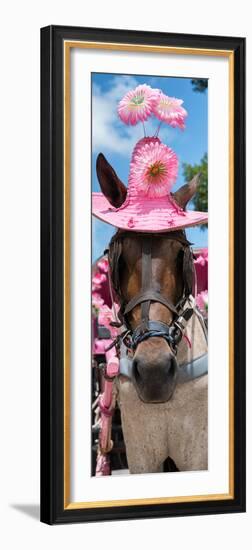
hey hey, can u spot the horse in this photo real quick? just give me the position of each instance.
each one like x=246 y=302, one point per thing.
x=163 y=399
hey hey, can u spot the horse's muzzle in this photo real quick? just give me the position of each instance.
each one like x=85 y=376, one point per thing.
x=154 y=380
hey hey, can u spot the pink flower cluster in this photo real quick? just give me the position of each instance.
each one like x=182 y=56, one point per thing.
x=97 y=300
x=154 y=166
x=142 y=102
x=106 y=316
x=100 y=309
x=103 y=265
x=202 y=301
x=202 y=259
x=98 y=278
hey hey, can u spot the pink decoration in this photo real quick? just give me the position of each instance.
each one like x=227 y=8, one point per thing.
x=202 y=259
x=100 y=345
x=140 y=143
x=137 y=105
x=169 y=110
x=202 y=301
x=153 y=169
x=103 y=265
x=149 y=206
x=149 y=214
x=131 y=223
x=103 y=465
x=95 y=288
x=105 y=317
x=99 y=278
x=97 y=301
x=188 y=341
x=106 y=405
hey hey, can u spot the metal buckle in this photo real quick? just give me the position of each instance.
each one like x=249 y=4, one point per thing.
x=126 y=339
x=181 y=324
x=177 y=336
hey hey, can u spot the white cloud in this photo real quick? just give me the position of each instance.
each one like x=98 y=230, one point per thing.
x=109 y=133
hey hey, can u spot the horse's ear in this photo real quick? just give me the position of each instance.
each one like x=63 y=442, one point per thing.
x=112 y=187
x=185 y=193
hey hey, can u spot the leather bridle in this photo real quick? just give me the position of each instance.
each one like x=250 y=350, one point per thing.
x=147 y=328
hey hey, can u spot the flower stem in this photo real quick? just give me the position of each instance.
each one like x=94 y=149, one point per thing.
x=144 y=128
x=158 y=128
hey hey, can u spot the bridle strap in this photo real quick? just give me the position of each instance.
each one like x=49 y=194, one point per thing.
x=146 y=279
x=146 y=264
x=152 y=329
x=147 y=328
x=150 y=296
x=147 y=294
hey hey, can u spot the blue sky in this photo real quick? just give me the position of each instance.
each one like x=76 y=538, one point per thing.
x=116 y=140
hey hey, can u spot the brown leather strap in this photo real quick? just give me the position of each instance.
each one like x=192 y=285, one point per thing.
x=146 y=277
x=146 y=263
x=151 y=296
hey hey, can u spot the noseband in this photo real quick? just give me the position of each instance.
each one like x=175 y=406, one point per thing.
x=147 y=328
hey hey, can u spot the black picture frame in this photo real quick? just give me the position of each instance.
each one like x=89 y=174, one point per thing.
x=52 y=275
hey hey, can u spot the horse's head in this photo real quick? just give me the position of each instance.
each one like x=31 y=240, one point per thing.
x=161 y=264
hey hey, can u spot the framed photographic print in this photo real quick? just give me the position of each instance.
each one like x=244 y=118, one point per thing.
x=142 y=274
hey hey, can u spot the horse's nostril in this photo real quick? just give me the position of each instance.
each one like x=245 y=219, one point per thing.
x=154 y=377
x=162 y=368
x=172 y=366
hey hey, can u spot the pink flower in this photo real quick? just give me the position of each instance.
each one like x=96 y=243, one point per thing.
x=97 y=300
x=153 y=169
x=202 y=301
x=141 y=142
x=95 y=287
x=202 y=259
x=169 y=110
x=103 y=265
x=99 y=278
x=137 y=104
x=105 y=316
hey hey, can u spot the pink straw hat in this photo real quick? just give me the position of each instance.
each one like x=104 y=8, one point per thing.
x=146 y=205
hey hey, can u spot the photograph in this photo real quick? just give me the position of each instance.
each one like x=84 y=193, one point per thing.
x=142 y=304
x=149 y=274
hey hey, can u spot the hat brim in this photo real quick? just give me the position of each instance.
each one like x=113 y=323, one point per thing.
x=157 y=215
